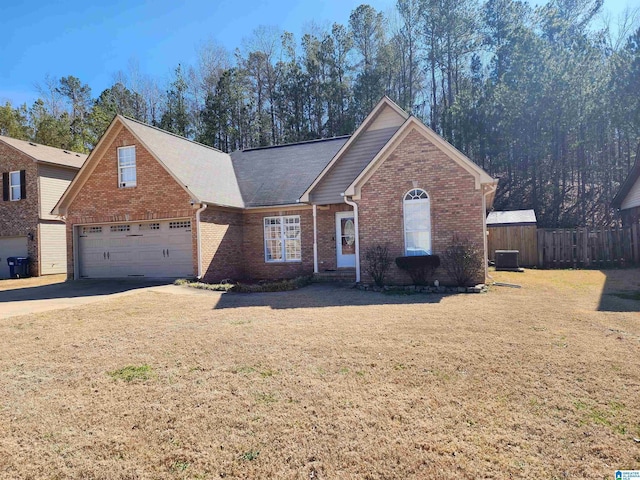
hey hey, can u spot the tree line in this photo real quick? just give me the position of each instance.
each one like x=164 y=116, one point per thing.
x=546 y=99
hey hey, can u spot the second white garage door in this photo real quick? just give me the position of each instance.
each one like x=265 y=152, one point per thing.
x=11 y=247
x=151 y=249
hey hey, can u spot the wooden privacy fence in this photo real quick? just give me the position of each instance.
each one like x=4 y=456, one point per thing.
x=515 y=237
x=588 y=247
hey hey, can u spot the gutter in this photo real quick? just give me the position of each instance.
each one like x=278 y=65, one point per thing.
x=355 y=221
x=199 y=239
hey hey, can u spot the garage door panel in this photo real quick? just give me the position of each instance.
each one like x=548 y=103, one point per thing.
x=154 y=249
x=11 y=247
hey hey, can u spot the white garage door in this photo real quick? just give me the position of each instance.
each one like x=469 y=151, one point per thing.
x=152 y=249
x=11 y=247
x=53 y=248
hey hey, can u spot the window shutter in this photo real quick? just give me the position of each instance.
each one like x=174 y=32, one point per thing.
x=5 y=186
x=23 y=185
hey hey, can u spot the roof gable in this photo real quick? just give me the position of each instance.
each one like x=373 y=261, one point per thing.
x=624 y=197
x=364 y=148
x=205 y=172
x=481 y=177
x=387 y=116
x=632 y=199
x=46 y=154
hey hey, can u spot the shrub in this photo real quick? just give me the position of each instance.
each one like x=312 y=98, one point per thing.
x=273 y=286
x=420 y=268
x=377 y=262
x=462 y=260
x=270 y=286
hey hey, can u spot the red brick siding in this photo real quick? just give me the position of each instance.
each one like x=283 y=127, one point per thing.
x=255 y=266
x=456 y=205
x=221 y=241
x=156 y=196
x=20 y=218
x=326 y=221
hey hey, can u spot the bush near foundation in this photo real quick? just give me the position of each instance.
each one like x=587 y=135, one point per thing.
x=462 y=260
x=377 y=262
x=420 y=268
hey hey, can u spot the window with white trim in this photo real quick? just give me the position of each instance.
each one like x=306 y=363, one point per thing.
x=282 y=239
x=126 y=167
x=15 y=187
x=417 y=223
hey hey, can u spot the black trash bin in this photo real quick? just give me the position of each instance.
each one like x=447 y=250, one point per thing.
x=18 y=267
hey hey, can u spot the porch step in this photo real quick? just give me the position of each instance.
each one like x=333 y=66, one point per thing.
x=343 y=275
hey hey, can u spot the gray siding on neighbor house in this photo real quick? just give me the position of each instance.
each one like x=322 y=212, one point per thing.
x=632 y=198
x=54 y=181
x=349 y=166
x=53 y=248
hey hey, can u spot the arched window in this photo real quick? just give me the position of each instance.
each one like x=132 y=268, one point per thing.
x=417 y=223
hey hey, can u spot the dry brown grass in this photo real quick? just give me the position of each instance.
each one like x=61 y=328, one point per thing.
x=328 y=383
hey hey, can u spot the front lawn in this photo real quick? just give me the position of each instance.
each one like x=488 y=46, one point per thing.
x=329 y=383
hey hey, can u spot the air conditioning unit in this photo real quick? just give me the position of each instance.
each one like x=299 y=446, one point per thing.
x=507 y=260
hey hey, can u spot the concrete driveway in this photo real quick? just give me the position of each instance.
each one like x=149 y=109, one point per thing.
x=41 y=298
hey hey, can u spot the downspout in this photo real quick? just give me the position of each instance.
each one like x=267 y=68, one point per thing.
x=76 y=257
x=315 y=239
x=356 y=225
x=484 y=232
x=199 y=239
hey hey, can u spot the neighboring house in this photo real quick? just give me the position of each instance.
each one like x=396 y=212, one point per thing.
x=150 y=203
x=33 y=179
x=627 y=200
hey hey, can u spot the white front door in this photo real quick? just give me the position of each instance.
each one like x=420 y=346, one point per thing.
x=345 y=240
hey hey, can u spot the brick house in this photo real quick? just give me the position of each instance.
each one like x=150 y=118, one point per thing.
x=33 y=179
x=150 y=203
x=627 y=200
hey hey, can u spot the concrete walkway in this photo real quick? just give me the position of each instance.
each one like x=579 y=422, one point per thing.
x=43 y=298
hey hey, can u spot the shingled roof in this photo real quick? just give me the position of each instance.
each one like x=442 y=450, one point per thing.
x=271 y=176
x=46 y=154
x=511 y=217
x=279 y=175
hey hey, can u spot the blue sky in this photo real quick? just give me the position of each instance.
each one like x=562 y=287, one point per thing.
x=93 y=40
